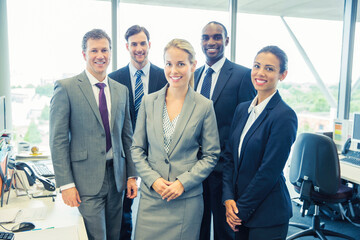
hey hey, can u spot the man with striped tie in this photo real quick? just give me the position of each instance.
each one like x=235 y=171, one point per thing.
x=141 y=77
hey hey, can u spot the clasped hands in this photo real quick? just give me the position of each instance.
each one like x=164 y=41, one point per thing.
x=168 y=190
x=231 y=218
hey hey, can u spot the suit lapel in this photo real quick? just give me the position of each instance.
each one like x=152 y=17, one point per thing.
x=237 y=133
x=114 y=94
x=153 y=79
x=127 y=82
x=158 y=113
x=197 y=80
x=86 y=89
x=185 y=114
x=224 y=76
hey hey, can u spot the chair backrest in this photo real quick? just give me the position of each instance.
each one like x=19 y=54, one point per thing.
x=315 y=158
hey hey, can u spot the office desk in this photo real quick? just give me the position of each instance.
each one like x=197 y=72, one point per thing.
x=59 y=217
x=350 y=172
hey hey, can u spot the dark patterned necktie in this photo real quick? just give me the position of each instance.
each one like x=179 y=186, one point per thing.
x=206 y=86
x=104 y=114
x=139 y=91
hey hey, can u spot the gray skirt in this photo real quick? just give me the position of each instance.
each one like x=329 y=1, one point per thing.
x=179 y=219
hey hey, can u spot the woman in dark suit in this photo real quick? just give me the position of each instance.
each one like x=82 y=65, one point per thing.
x=171 y=126
x=255 y=195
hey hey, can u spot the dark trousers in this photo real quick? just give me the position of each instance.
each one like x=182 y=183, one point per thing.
x=278 y=232
x=126 y=223
x=213 y=205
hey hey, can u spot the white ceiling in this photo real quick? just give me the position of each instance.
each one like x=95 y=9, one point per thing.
x=317 y=9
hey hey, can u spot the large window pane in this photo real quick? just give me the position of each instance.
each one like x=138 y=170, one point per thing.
x=321 y=40
x=44 y=46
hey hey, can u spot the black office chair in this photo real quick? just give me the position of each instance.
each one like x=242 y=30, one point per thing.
x=315 y=173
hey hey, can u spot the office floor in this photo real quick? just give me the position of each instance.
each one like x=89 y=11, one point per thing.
x=341 y=226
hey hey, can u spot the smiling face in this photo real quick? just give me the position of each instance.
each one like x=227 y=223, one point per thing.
x=97 y=57
x=178 y=68
x=213 y=43
x=138 y=47
x=265 y=74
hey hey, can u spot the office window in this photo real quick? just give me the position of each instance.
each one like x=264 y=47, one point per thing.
x=44 y=46
x=355 y=86
x=165 y=24
x=321 y=40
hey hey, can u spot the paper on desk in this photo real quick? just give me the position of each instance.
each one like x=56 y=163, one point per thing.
x=32 y=214
x=57 y=233
x=9 y=215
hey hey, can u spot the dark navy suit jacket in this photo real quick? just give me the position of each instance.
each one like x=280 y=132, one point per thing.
x=157 y=81
x=256 y=181
x=232 y=87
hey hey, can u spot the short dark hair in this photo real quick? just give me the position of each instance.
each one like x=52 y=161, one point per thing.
x=135 y=30
x=218 y=23
x=279 y=53
x=94 y=34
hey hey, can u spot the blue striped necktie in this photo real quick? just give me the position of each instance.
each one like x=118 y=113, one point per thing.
x=206 y=85
x=139 y=91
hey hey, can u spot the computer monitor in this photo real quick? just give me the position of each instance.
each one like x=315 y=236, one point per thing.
x=2 y=114
x=356 y=131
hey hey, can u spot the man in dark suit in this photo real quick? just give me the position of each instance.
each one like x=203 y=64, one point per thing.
x=227 y=84
x=90 y=140
x=140 y=77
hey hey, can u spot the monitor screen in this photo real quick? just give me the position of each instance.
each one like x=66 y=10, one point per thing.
x=2 y=114
x=356 y=127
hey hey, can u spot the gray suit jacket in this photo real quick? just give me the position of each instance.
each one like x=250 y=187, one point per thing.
x=77 y=135
x=195 y=127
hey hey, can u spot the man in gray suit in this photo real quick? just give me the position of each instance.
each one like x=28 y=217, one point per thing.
x=90 y=139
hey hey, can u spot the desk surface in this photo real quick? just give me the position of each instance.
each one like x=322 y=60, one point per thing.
x=350 y=172
x=59 y=216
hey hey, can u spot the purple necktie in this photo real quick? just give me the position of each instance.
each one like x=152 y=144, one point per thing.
x=104 y=114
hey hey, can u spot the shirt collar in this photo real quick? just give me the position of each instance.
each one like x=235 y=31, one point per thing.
x=216 y=66
x=260 y=107
x=145 y=69
x=93 y=80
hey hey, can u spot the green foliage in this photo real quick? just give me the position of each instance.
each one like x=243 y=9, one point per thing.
x=305 y=98
x=45 y=90
x=33 y=135
x=45 y=113
x=30 y=86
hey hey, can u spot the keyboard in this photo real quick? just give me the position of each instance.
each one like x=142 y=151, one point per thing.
x=351 y=160
x=6 y=236
x=352 y=157
x=42 y=170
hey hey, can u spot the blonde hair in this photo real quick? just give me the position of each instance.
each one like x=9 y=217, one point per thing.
x=184 y=45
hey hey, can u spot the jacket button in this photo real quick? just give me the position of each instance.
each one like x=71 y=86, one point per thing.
x=166 y=161
x=103 y=152
x=103 y=135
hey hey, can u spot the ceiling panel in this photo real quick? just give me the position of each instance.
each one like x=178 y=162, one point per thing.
x=316 y=9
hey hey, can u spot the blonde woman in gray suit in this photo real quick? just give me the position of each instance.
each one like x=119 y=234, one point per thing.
x=171 y=126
